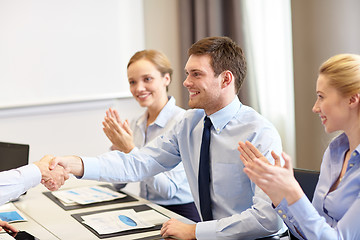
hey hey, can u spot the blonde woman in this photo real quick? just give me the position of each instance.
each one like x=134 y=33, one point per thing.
x=335 y=209
x=149 y=74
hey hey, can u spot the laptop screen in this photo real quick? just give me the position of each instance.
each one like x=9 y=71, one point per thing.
x=13 y=155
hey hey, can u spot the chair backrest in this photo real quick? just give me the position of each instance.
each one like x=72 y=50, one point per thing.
x=308 y=180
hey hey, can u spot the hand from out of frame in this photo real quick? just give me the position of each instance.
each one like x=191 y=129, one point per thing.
x=118 y=132
x=276 y=181
x=7 y=227
x=178 y=230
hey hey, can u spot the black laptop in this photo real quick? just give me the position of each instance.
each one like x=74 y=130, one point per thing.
x=13 y=155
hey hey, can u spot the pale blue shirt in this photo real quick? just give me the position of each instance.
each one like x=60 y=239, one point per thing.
x=15 y=182
x=240 y=208
x=166 y=188
x=334 y=215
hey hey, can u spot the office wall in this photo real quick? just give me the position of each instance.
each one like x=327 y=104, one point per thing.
x=41 y=40
x=75 y=128
x=321 y=28
x=162 y=33
x=66 y=51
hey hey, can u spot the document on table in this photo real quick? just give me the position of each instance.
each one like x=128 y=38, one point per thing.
x=87 y=195
x=9 y=213
x=122 y=220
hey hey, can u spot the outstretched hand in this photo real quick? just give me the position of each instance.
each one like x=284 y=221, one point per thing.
x=73 y=164
x=54 y=178
x=118 y=132
x=276 y=181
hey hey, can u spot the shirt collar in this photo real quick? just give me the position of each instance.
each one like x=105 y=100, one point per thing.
x=163 y=116
x=220 y=118
x=165 y=113
x=341 y=144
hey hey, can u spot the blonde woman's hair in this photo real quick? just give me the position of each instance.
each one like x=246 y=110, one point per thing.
x=157 y=58
x=343 y=72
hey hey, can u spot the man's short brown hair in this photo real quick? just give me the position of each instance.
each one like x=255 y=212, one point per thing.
x=225 y=55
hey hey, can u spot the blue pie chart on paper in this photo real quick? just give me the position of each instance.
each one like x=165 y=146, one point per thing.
x=128 y=221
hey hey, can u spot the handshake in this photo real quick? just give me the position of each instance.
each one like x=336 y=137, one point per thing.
x=55 y=170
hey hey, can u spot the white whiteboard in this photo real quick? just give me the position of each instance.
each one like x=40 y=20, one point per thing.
x=58 y=51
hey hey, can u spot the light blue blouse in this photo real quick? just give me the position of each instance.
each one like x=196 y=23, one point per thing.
x=334 y=215
x=241 y=210
x=166 y=188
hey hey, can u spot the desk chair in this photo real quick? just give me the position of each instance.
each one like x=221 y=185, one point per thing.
x=308 y=180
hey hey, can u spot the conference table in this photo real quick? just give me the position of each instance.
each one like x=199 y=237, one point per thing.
x=47 y=219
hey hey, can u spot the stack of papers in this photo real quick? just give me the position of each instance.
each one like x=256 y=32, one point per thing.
x=123 y=220
x=87 y=195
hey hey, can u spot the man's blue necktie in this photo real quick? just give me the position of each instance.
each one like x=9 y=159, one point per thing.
x=204 y=173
